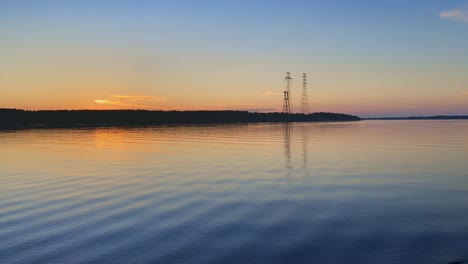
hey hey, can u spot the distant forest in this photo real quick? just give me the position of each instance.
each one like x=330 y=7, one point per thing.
x=16 y=118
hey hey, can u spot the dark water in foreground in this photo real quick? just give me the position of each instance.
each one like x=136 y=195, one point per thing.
x=363 y=192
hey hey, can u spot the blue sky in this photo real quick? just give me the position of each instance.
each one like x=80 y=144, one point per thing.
x=364 y=57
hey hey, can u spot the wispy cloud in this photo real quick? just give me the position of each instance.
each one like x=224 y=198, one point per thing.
x=104 y=101
x=459 y=14
x=133 y=101
x=268 y=93
x=139 y=98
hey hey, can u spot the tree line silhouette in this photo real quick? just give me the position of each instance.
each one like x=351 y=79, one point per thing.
x=11 y=118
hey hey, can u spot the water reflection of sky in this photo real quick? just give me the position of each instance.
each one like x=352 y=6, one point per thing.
x=368 y=192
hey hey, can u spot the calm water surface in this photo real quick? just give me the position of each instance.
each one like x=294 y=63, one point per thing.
x=361 y=192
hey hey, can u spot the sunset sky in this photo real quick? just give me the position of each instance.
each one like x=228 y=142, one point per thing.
x=370 y=58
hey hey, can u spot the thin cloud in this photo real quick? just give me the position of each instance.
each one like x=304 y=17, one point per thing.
x=139 y=98
x=104 y=101
x=459 y=14
x=268 y=93
x=128 y=105
x=113 y=102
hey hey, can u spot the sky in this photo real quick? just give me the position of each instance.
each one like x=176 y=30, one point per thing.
x=369 y=58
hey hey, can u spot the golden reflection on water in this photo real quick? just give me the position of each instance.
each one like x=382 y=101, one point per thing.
x=105 y=137
x=380 y=147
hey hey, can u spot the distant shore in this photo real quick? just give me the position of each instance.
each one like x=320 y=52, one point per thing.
x=438 y=117
x=17 y=118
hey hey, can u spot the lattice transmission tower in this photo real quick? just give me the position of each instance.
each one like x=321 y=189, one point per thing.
x=305 y=99
x=287 y=93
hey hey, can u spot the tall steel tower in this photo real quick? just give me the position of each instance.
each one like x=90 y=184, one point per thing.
x=287 y=102
x=304 y=100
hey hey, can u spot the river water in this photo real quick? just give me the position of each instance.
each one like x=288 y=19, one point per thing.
x=357 y=192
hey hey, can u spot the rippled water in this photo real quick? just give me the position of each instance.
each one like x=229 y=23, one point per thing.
x=361 y=192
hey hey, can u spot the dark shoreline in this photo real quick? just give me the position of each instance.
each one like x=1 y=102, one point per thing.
x=20 y=119
x=438 y=117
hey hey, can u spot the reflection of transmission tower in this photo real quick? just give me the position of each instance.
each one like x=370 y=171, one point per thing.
x=287 y=101
x=287 y=150
x=304 y=100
